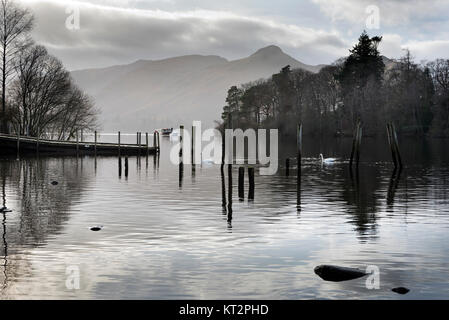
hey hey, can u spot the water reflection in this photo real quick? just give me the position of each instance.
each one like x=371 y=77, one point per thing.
x=165 y=238
x=392 y=187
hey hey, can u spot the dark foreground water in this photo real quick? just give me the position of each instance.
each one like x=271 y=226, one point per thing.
x=162 y=239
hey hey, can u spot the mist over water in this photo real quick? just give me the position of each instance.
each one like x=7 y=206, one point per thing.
x=162 y=239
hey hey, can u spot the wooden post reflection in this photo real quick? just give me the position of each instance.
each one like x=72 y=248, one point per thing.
x=241 y=183
x=229 y=194
x=393 y=186
x=223 y=189
x=251 y=183
x=120 y=167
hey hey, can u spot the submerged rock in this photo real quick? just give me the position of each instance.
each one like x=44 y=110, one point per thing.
x=336 y=273
x=4 y=210
x=400 y=290
x=96 y=228
x=54 y=183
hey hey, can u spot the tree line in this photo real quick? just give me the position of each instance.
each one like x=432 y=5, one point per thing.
x=362 y=87
x=38 y=95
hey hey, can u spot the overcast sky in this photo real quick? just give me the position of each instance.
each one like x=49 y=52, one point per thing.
x=312 y=31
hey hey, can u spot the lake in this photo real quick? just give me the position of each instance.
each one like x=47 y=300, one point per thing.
x=166 y=239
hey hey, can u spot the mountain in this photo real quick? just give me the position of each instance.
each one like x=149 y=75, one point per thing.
x=149 y=94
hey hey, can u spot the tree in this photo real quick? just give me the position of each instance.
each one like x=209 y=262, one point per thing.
x=44 y=98
x=409 y=91
x=361 y=80
x=15 y=25
x=233 y=106
x=439 y=73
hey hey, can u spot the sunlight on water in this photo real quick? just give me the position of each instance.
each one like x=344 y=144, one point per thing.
x=162 y=239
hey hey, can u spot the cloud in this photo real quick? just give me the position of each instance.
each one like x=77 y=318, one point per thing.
x=392 y=12
x=428 y=50
x=114 y=34
x=393 y=46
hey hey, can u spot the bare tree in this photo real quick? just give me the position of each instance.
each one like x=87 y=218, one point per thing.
x=15 y=25
x=45 y=99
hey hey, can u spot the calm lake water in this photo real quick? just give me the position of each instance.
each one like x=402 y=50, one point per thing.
x=162 y=239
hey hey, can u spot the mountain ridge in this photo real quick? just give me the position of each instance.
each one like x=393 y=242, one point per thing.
x=147 y=94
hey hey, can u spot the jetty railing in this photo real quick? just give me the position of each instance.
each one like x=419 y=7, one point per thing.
x=24 y=144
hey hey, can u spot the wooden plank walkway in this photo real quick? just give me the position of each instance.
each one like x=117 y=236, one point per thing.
x=12 y=144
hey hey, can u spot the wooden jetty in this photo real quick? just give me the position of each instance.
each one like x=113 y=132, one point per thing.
x=13 y=144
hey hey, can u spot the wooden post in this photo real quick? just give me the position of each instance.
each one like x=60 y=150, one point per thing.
x=119 y=144
x=192 y=150
x=223 y=147
x=223 y=189
x=299 y=146
x=241 y=183
x=119 y=166
x=299 y=142
x=146 y=143
x=95 y=143
x=77 y=143
x=137 y=140
x=126 y=166
x=181 y=138
x=154 y=139
x=354 y=143
x=251 y=183
x=229 y=193
x=287 y=167
x=391 y=144
x=158 y=142
x=396 y=145
x=18 y=143
x=359 y=141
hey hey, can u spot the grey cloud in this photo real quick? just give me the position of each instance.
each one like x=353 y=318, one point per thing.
x=117 y=35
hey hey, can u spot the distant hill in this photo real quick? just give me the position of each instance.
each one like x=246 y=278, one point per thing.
x=148 y=94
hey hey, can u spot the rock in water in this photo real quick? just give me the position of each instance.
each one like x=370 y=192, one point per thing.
x=400 y=290
x=54 y=183
x=96 y=228
x=336 y=273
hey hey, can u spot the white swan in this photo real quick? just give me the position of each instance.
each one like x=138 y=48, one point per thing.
x=327 y=160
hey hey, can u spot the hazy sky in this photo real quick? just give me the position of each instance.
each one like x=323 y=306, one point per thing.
x=312 y=31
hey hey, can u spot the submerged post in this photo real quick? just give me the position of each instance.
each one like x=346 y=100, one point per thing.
x=299 y=146
x=146 y=142
x=354 y=143
x=299 y=142
x=119 y=166
x=158 y=142
x=251 y=183
x=396 y=145
x=391 y=144
x=181 y=138
x=359 y=141
x=126 y=166
x=241 y=183
x=154 y=139
x=229 y=193
x=138 y=143
x=95 y=146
